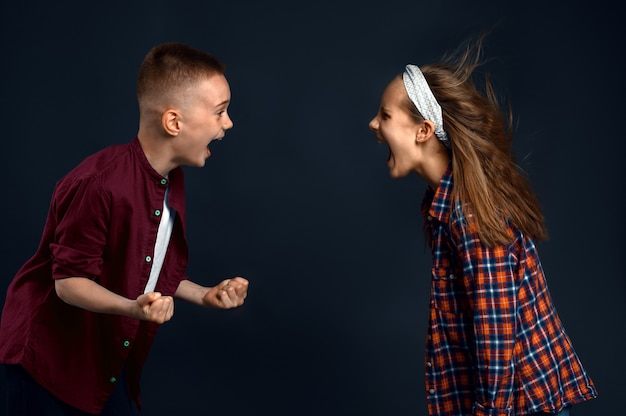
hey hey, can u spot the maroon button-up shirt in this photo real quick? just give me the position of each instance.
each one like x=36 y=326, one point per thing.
x=102 y=224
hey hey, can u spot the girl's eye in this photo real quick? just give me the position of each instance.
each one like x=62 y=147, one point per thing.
x=384 y=116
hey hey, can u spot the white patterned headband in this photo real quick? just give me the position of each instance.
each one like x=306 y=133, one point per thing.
x=422 y=97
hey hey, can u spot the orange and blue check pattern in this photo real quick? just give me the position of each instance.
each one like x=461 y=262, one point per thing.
x=496 y=345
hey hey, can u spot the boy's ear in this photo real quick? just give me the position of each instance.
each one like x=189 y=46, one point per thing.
x=425 y=131
x=170 y=121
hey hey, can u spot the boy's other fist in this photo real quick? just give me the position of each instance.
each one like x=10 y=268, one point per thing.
x=228 y=294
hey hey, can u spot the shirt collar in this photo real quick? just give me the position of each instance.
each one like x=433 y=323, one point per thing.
x=437 y=203
x=135 y=145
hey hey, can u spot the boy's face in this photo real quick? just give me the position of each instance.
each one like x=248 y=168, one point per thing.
x=203 y=118
x=394 y=126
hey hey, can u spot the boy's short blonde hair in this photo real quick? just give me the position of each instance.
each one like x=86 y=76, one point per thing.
x=171 y=67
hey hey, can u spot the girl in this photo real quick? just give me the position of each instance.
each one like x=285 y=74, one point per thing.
x=496 y=345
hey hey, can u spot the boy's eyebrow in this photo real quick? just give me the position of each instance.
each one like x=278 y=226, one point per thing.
x=222 y=103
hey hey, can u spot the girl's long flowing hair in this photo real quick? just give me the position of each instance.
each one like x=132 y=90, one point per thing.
x=490 y=186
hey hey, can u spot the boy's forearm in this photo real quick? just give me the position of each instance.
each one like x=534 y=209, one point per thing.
x=191 y=292
x=87 y=294
x=229 y=293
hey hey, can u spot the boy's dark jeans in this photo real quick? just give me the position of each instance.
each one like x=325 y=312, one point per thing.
x=26 y=397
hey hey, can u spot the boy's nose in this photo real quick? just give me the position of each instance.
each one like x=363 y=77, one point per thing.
x=229 y=124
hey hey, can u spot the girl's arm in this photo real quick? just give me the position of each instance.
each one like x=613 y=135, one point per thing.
x=490 y=281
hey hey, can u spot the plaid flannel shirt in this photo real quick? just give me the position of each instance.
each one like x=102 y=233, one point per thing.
x=496 y=345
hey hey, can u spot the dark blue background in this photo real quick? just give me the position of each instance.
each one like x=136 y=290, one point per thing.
x=298 y=198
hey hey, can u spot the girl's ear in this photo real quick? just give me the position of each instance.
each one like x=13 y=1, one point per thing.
x=170 y=121
x=425 y=131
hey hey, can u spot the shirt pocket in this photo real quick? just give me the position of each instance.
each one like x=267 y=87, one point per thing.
x=448 y=290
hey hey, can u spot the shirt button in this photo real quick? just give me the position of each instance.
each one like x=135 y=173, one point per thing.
x=126 y=343
x=430 y=218
x=451 y=277
x=429 y=364
x=157 y=212
x=112 y=379
x=431 y=391
x=148 y=259
x=163 y=181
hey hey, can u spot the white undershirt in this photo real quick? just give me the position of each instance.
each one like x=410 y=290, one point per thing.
x=162 y=241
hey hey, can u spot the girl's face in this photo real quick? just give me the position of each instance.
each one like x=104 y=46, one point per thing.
x=394 y=126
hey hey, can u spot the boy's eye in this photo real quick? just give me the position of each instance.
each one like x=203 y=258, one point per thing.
x=384 y=116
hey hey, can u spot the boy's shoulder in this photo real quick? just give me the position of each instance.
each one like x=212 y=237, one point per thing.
x=100 y=164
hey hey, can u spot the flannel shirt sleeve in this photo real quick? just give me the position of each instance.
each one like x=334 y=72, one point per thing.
x=489 y=277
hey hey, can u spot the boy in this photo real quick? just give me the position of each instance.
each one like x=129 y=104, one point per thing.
x=81 y=314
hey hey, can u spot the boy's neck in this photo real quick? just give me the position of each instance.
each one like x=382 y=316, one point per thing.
x=156 y=152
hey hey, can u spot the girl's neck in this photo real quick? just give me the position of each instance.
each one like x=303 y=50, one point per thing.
x=433 y=168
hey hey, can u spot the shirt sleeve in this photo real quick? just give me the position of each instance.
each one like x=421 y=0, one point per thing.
x=489 y=277
x=81 y=209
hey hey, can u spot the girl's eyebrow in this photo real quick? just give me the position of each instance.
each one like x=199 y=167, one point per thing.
x=222 y=103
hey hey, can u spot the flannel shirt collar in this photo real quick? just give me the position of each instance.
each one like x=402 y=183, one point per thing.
x=437 y=203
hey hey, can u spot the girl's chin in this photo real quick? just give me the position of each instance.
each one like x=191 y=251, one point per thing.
x=396 y=172
x=393 y=169
x=396 y=175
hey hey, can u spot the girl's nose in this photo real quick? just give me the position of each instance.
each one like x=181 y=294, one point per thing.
x=374 y=124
